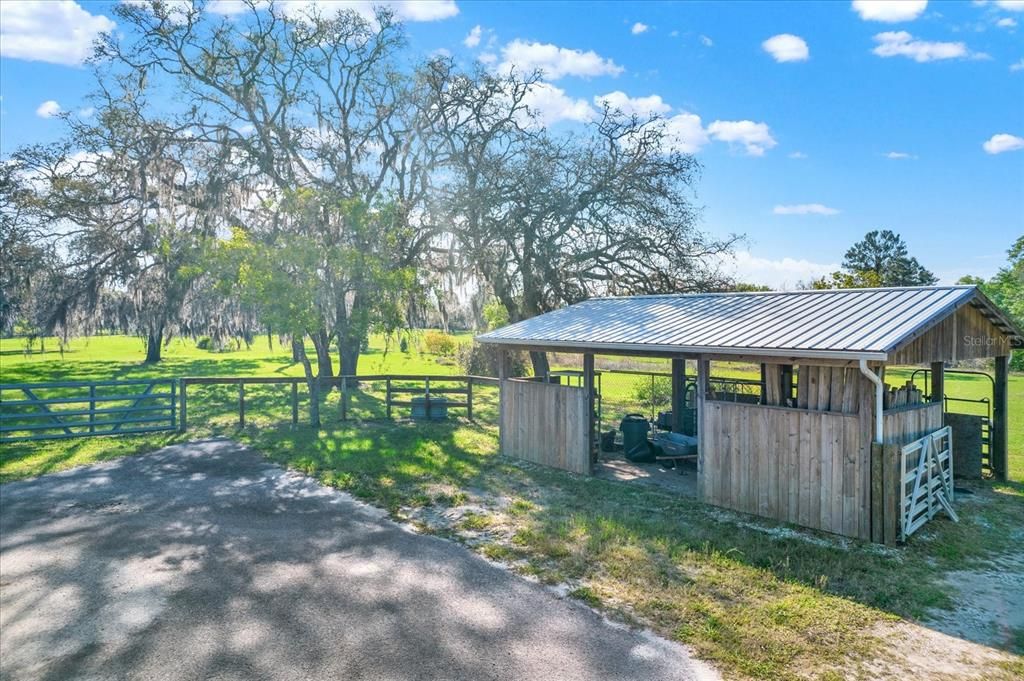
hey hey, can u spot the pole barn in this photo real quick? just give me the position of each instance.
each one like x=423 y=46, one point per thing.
x=827 y=445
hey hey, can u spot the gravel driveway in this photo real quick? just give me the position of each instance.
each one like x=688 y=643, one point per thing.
x=204 y=561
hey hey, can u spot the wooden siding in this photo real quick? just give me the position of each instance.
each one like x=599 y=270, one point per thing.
x=827 y=388
x=964 y=335
x=904 y=425
x=811 y=468
x=545 y=423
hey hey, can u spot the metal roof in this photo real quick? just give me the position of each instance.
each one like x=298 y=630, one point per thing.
x=835 y=324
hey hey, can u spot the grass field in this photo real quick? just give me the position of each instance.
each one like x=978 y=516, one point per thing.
x=758 y=599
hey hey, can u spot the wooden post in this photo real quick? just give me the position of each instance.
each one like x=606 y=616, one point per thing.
x=1000 y=419
x=588 y=385
x=469 y=398
x=344 y=398
x=387 y=397
x=678 y=393
x=295 y=403
x=174 y=404
x=764 y=384
x=426 y=399
x=241 y=404
x=703 y=369
x=183 y=423
x=938 y=381
x=92 y=408
x=786 y=387
x=501 y=398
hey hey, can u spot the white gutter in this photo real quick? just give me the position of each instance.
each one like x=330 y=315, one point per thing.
x=879 y=400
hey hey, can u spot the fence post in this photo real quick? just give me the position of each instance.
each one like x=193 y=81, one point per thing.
x=426 y=398
x=92 y=408
x=344 y=398
x=295 y=403
x=387 y=397
x=183 y=423
x=241 y=404
x=174 y=403
x=469 y=398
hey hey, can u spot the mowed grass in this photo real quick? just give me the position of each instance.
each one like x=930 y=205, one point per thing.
x=758 y=599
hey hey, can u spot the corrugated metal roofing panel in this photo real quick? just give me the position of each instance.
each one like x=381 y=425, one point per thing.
x=840 y=323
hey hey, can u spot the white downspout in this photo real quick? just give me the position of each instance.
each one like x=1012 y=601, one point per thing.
x=879 y=399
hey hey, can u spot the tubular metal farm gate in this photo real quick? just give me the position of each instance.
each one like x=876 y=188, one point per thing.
x=58 y=410
x=926 y=486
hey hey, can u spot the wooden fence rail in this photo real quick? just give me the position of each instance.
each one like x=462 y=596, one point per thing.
x=346 y=385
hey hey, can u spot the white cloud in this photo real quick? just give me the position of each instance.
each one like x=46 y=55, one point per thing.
x=556 y=62
x=1007 y=22
x=673 y=34
x=902 y=44
x=685 y=133
x=706 y=41
x=797 y=155
x=48 y=109
x=639 y=28
x=1011 y=5
x=786 y=47
x=488 y=58
x=550 y=105
x=804 y=209
x=473 y=39
x=778 y=274
x=1002 y=142
x=889 y=11
x=756 y=138
x=630 y=106
x=55 y=32
x=86 y=112
x=406 y=10
x=1017 y=66
x=899 y=155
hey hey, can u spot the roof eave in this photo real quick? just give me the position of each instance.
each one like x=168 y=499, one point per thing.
x=642 y=348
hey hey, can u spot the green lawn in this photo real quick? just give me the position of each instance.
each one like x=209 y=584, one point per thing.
x=758 y=599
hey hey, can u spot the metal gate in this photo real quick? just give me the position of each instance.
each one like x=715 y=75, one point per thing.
x=926 y=485
x=59 y=410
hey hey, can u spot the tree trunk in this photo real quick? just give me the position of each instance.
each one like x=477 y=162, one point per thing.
x=311 y=382
x=348 y=355
x=540 y=363
x=298 y=351
x=322 y=342
x=154 y=344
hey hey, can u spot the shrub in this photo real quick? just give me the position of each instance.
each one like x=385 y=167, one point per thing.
x=1017 y=360
x=204 y=343
x=477 y=359
x=439 y=343
x=656 y=393
x=403 y=344
x=495 y=315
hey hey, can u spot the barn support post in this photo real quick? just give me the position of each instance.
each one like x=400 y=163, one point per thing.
x=786 y=378
x=938 y=381
x=678 y=393
x=1000 y=414
x=588 y=385
x=703 y=369
x=502 y=371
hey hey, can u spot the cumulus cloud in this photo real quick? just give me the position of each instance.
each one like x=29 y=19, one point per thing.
x=899 y=155
x=997 y=144
x=1011 y=5
x=756 y=138
x=786 y=47
x=556 y=62
x=1017 y=66
x=54 y=32
x=685 y=133
x=48 y=109
x=406 y=10
x=902 y=44
x=630 y=106
x=1007 y=22
x=778 y=274
x=473 y=39
x=550 y=104
x=889 y=11
x=638 y=28
x=804 y=209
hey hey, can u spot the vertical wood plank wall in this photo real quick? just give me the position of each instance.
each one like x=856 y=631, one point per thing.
x=546 y=423
x=806 y=467
x=902 y=426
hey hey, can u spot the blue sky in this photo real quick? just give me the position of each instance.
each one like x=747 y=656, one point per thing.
x=815 y=122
